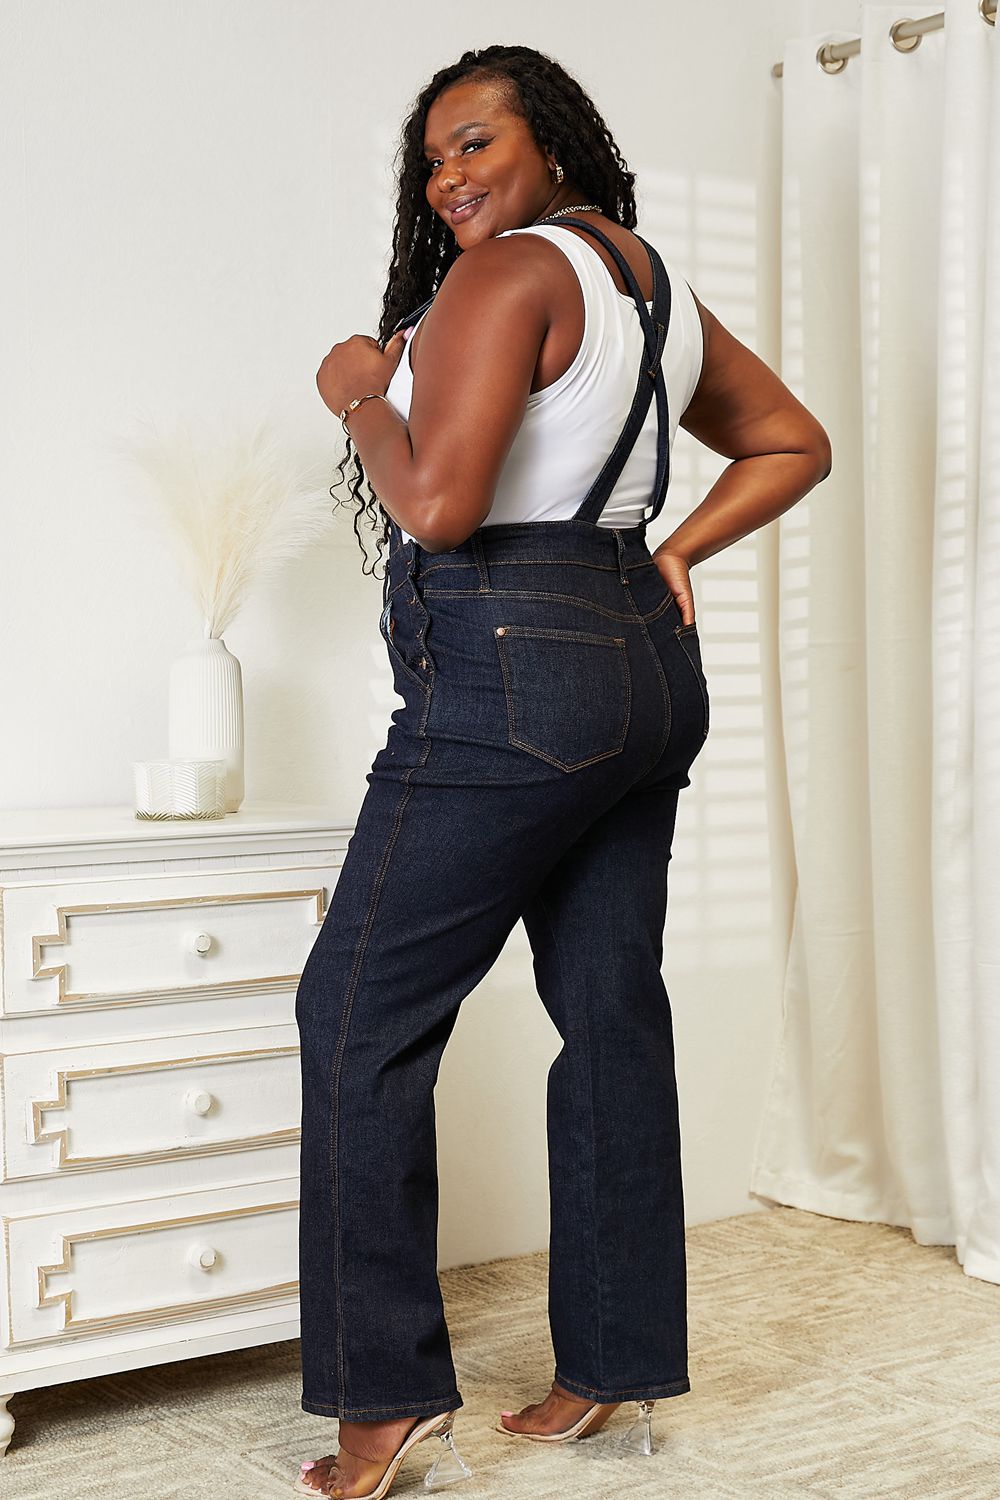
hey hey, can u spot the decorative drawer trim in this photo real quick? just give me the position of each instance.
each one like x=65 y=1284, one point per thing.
x=73 y=1324
x=234 y=898
x=130 y=1158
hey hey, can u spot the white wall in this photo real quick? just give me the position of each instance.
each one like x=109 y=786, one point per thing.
x=197 y=202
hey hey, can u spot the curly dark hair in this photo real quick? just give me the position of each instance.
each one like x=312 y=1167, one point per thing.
x=562 y=117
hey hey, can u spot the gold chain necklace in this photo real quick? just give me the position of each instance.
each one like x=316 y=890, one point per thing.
x=572 y=208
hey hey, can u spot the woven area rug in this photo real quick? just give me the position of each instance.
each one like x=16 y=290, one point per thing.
x=828 y=1358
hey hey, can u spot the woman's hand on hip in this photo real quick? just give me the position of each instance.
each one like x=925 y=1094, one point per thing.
x=675 y=572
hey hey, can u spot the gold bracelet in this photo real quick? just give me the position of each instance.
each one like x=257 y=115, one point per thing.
x=353 y=406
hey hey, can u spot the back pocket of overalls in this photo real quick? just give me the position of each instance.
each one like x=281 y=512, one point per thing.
x=568 y=692
x=691 y=642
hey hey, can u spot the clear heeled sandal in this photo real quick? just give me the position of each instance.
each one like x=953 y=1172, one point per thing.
x=639 y=1437
x=448 y=1467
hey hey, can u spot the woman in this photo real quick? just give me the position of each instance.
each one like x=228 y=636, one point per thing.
x=553 y=703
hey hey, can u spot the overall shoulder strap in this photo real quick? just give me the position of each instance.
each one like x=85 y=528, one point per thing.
x=411 y=317
x=651 y=379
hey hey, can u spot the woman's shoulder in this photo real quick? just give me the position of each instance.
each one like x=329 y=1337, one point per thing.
x=502 y=278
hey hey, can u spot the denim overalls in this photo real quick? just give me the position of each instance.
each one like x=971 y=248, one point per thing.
x=553 y=704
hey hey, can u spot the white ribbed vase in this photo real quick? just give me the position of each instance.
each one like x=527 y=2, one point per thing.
x=206 y=711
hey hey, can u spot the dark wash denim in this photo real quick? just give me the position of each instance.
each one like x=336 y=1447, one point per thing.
x=552 y=706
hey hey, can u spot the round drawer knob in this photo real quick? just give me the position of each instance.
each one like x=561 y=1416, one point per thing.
x=203 y=943
x=200 y=1101
x=203 y=1256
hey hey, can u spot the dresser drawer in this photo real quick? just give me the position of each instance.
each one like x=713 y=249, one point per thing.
x=98 y=943
x=121 y=1104
x=118 y=1267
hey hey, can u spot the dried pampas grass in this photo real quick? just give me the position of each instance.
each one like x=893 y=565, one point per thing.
x=235 y=511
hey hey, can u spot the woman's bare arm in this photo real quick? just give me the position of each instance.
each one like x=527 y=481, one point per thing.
x=437 y=474
x=779 y=449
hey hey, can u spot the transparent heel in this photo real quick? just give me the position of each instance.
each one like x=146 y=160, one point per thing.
x=449 y=1466
x=639 y=1437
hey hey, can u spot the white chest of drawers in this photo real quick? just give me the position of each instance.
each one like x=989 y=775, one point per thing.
x=149 y=1083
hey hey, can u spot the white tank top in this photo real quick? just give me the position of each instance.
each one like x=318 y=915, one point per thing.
x=570 y=427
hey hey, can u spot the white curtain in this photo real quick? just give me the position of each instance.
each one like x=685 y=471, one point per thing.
x=884 y=1103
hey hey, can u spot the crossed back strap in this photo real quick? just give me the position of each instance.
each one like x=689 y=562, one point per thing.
x=651 y=377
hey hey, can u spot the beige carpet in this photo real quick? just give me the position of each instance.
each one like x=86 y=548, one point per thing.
x=827 y=1358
